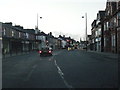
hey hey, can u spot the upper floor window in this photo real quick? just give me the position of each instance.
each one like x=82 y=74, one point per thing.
x=19 y=34
x=108 y=12
x=119 y=15
x=119 y=19
x=12 y=33
x=26 y=35
x=4 y=32
x=107 y=24
x=99 y=31
x=105 y=42
x=113 y=40
x=104 y=26
x=96 y=33
x=118 y=4
x=115 y=21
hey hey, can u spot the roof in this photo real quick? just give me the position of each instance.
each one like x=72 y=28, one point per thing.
x=16 y=27
x=32 y=31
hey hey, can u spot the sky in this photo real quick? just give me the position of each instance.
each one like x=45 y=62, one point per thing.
x=58 y=16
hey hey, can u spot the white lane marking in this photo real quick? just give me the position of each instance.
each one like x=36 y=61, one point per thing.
x=62 y=75
x=30 y=73
x=59 y=70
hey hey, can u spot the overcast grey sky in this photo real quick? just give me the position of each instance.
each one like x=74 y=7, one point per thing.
x=58 y=16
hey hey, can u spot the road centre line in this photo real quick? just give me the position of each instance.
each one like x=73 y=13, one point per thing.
x=62 y=75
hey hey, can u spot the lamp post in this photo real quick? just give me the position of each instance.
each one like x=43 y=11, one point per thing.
x=85 y=28
x=37 y=21
x=36 y=32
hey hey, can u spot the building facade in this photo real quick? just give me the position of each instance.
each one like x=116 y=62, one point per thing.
x=118 y=27
x=93 y=43
x=106 y=29
x=110 y=27
x=99 y=38
x=16 y=40
x=1 y=40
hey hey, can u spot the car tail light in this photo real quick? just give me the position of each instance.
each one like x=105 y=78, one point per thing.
x=50 y=51
x=40 y=52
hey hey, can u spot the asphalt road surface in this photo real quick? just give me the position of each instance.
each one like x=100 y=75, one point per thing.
x=65 y=69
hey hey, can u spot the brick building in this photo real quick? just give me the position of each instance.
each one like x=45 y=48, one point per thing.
x=15 y=39
x=109 y=36
x=93 y=35
x=111 y=29
x=118 y=27
x=97 y=32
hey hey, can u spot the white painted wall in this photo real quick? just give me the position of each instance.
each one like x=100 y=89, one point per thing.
x=64 y=43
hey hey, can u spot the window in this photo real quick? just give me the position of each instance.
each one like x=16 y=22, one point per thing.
x=26 y=35
x=115 y=21
x=12 y=33
x=119 y=15
x=104 y=26
x=19 y=34
x=99 y=31
x=4 y=32
x=107 y=25
x=119 y=22
x=119 y=19
x=113 y=40
x=104 y=42
x=96 y=33
x=108 y=12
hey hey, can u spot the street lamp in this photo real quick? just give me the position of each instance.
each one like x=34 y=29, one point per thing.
x=37 y=20
x=85 y=27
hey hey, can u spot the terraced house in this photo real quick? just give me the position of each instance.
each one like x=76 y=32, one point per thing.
x=110 y=30
x=118 y=27
x=16 y=40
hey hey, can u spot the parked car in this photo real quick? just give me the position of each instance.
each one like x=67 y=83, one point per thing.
x=45 y=51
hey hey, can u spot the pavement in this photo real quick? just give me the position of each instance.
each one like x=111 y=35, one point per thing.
x=107 y=54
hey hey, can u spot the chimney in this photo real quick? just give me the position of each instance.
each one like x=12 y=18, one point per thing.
x=8 y=23
x=18 y=26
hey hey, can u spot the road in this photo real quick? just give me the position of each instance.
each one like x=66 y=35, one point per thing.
x=65 y=69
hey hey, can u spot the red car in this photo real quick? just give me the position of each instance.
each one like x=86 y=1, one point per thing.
x=45 y=51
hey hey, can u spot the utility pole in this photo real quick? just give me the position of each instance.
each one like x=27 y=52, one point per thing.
x=85 y=28
x=37 y=20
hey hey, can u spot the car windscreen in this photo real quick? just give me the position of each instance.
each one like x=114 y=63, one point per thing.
x=45 y=49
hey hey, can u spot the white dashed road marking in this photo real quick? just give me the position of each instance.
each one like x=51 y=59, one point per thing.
x=62 y=75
